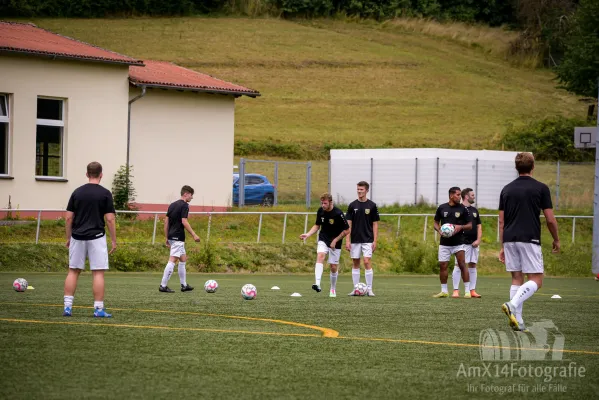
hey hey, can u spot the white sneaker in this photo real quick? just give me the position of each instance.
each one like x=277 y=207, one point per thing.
x=370 y=293
x=353 y=292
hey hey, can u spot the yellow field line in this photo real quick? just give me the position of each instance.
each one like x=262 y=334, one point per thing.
x=326 y=332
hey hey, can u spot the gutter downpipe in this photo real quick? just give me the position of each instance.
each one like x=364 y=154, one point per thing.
x=133 y=100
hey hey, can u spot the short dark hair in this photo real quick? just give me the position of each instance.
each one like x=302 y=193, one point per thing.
x=187 y=189
x=453 y=189
x=465 y=192
x=525 y=162
x=94 y=169
x=364 y=184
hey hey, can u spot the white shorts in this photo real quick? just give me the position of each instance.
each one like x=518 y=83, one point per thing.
x=177 y=248
x=95 y=250
x=471 y=254
x=525 y=257
x=334 y=254
x=445 y=252
x=358 y=249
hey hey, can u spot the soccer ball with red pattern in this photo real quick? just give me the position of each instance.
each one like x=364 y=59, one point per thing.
x=210 y=286
x=447 y=230
x=20 y=285
x=360 y=289
x=248 y=292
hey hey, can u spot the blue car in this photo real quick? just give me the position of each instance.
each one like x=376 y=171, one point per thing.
x=258 y=190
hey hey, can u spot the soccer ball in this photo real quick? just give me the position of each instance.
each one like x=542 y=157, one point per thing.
x=248 y=292
x=360 y=289
x=20 y=285
x=447 y=230
x=210 y=286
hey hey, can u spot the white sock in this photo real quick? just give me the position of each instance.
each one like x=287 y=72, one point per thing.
x=444 y=287
x=456 y=275
x=182 y=273
x=68 y=301
x=318 y=273
x=355 y=276
x=513 y=291
x=369 y=274
x=472 y=272
x=524 y=293
x=168 y=271
x=334 y=276
x=466 y=287
x=98 y=305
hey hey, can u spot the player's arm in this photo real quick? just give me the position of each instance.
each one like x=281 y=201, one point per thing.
x=437 y=226
x=311 y=232
x=111 y=222
x=348 y=242
x=375 y=232
x=479 y=235
x=501 y=222
x=467 y=226
x=69 y=226
x=188 y=228
x=552 y=226
x=340 y=237
x=166 y=231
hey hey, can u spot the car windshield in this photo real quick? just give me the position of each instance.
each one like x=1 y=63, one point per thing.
x=235 y=179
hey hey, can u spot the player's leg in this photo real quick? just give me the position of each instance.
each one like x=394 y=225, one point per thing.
x=513 y=264
x=443 y=256
x=168 y=270
x=182 y=271
x=456 y=276
x=355 y=253
x=368 y=271
x=472 y=260
x=321 y=251
x=98 y=263
x=77 y=255
x=460 y=256
x=334 y=264
x=532 y=266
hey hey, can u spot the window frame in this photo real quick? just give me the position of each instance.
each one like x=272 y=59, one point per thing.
x=54 y=123
x=7 y=119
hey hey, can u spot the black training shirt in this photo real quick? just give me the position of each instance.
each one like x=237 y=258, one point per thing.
x=176 y=212
x=455 y=215
x=331 y=223
x=471 y=235
x=362 y=214
x=90 y=203
x=522 y=201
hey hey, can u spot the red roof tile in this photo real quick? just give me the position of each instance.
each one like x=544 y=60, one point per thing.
x=29 y=39
x=170 y=76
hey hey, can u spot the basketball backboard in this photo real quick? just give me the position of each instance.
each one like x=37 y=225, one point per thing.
x=585 y=138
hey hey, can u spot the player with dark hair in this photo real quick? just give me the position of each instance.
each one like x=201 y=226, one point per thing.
x=472 y=240
x=88 y=206
x=175 y=225
x=333 y=228
x=520 y=205
x=454 y=213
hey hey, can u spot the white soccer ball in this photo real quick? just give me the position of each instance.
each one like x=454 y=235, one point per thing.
x=249 y=292
x=20 y=285
x=360 y=289
x=447 y=230
x=210 y=286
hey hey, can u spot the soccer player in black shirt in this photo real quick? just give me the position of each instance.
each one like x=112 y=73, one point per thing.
x=175 y=225
x=88 y=206
x=333 y=228
x=520 y=205
x=362 y=216
x=453 y=213
x=472 y=240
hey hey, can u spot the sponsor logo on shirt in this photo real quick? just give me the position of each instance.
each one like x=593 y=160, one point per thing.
x=445 y=214
x=331 y=221
x=457 y=215
x=322 y=219
x=367 y=211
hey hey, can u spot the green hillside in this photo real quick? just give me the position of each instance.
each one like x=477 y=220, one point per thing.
x=330 y=82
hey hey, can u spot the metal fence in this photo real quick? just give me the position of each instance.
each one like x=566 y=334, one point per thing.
x=269 y=227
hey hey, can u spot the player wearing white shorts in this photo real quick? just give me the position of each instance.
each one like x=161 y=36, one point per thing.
x=452 y=212
x=472 y=240
x=362 y=216
x=333 y=228
x=520 y=205
x=175 y=225
x=88 y=206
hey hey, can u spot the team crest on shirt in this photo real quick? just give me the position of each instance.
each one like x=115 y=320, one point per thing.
x=331 y=221
x=367 y=211
x=457 y=215
x=474 y=215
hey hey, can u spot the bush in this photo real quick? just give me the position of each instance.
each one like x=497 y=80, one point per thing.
x=550 y=139
x=123 y=192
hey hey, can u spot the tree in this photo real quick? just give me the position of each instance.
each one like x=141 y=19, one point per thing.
x=579 y=70
x=123 y=192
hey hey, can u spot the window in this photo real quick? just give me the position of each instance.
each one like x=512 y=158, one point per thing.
x=4 y=133
x=49 y=137
x=255 y=180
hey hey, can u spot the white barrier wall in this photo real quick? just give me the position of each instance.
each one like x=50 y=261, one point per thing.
x=410 y=176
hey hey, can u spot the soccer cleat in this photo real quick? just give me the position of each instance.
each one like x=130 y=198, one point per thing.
x=353 y=292
x=467 y=295
x=67 y=312
x=507 y=310
x=186 y=288
x=441 y=294
x=456 y=294
x=474 y=294
x=165 y=289
x=370 y=293
x=522 y=327
x=332 y=293
x=101 y=313
x=316 y=288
